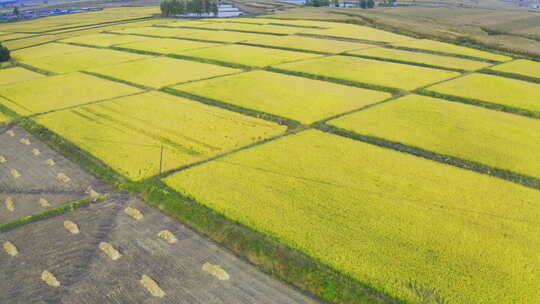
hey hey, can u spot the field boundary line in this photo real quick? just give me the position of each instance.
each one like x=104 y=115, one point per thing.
x=330 y=37
x=110 y=78
x=399 y=61
x=229 y=30
x=34 y=69
x=516 y=76
x=508 y=175
x=165 y=37
x=416 y=50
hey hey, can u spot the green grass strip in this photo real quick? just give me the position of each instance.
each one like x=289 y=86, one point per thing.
x=404 y=62
x=510 y=75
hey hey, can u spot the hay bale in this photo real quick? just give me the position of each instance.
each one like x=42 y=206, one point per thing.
x=15 y=173
x=10 y=249
x=50 y=162
x=10 y=206
x=94 y=195
x=25 y=141
x=50 y=279
x=136 y=214
x=63 y=178
x=152 y=286
x=36 y=151
x=10 y=133
x=109 y=250
x=168 y=236
x=216 y=271
x=2 y=159
x=43 y=203
x=71 y=227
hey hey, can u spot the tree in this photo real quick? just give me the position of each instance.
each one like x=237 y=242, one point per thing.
x=363 y=4
x=4 y=53
x=336 y=3
x=370 y=4
x=16 y=11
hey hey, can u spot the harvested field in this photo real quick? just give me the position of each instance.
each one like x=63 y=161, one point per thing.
x=88 y=276
x=310 y=44
x=381 y=207
x=162 y=71
x=105 y=40
x=422 y=58
x=493 y=138
x=37 y=182
x=369 y=71
x=143 y=124
x=248 y=55
x=437 y=46
x=298 y=98
x=167 y=46
x=57 y=92
x=520 y=67
x=16 y=74
x=493 y=89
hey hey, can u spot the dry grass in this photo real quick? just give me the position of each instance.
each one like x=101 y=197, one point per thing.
x=50 y=162
x=152 y=286
x=63 y=178
x=134 y=213
x=15 y=173
x=168 y=236
x=10 y=133
x=2 y=159
x=10 y=206
x=110 y=251
x=25 y=141
x=10 y=249
x=50 y=279
x=216 y=271
x=71 y=227
x=36 y=151
x=43 y=203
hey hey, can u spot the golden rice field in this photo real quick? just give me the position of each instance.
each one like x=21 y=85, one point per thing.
x=387 y=219
x=422 y=58
x=56 y=92
x=431 y=45
x=384 y=217
x=277 y=94
x=494 y=89
x=127 y=133
x=16 y=74
x=248 y=55
x=520 y=66
x=158 y=72
x=497 y=139
x=395 y=75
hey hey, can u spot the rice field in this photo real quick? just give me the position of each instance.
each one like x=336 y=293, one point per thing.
x=310 y=44
x=437 y=46
x=46 y=50
x=493 y=89
x=16 y=74
x=297 y=98
x=392 y=211
x=394 y=75
x=256 y=28
x=521 y=66
x=167 y=46
x=105 y=40
x=128 y=133
x=167 y=32
x=493 y=138
x=352 y=31
x=422 y=58
x=158 y=72
x=57 y=92
x=248 y=55
x=223 y=36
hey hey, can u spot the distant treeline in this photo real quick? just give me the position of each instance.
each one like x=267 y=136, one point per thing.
x=184 y=7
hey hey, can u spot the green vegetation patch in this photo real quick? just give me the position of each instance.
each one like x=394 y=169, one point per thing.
x=493 y=138
x=410 y=227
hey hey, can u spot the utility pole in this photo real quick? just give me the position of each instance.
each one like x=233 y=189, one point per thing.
x=161 y=161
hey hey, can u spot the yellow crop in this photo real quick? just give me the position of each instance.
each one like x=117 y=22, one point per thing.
x=56 y=92
x=79 y=61
x=46 y=50
x=354 y=31
x=162 y=71
x=155 y=31
x=223 y=36
x=437 y=46
x=167 y=46
x=493 y=138
x=376 y=72
x=298 y=98
x=128 y=133
x=16 y=74
x=105 y=40
x=384 y=217
x=501 y=90
x=9 y=36
x=521 y=66
x=423 y=58
x=274 y=29
x=3 y=118
x=310 y=44
x=248 y=55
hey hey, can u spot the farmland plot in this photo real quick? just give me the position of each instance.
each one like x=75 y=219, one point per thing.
x=352 y=31
x=248 y=55
x=155 y=31
x=521 y=66
x=493 y=89
x=46 y=50
x=369 y=71
x=17 y=74
x=298 y=98
x=223 y=36
x=269 y=29
x=389 y=219
x=128 y=133
x=431 y=45
x=57 y=92
x=310 y=44
x=105 y=40
x=423 y=58
x=167 y=46
x=493 y=138
x=161 y=71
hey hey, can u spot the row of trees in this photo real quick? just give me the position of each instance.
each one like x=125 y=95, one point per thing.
x=184 y=7
x=366 y=3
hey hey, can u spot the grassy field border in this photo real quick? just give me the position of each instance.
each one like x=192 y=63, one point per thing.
x=424 y=65
x=510 y=75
